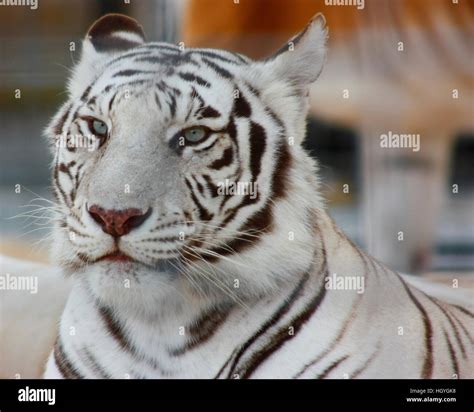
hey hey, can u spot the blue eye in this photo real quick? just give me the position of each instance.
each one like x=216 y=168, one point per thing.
x=195 y=134
x=98 y=127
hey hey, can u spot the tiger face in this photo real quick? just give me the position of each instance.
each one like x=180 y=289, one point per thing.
x=173 y=167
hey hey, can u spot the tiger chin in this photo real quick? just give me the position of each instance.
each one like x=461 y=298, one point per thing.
x=177 y=276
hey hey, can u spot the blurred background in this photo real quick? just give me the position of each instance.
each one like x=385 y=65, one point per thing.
x=394 y=66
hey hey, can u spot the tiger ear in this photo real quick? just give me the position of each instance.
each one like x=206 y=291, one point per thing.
x=301 y=60
x=109 y=36
x=114 y=33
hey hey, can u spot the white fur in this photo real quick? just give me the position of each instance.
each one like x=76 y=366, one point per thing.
x=153 y=304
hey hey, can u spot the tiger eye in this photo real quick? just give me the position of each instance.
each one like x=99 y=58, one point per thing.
x=194 y=134
x=99 y=127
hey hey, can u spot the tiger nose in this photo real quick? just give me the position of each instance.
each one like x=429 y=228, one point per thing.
x=118 y=222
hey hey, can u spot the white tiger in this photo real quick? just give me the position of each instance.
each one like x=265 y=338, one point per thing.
x=176 y=275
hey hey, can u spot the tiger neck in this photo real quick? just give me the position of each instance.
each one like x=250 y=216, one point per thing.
x=182 y=304
x=161 y=340
x=209 y=331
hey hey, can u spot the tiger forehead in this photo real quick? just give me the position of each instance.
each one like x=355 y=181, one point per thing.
x=168 y=54
x=179 y=100
x=201 y=73
x=167 y=60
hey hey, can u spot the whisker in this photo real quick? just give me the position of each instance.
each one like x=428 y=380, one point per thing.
x=223 y=287
x=187 y=273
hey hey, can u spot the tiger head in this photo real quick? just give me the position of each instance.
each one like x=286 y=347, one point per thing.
x=182 y=168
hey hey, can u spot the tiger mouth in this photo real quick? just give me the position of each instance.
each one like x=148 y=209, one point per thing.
x=172 y=265
x=116 y=256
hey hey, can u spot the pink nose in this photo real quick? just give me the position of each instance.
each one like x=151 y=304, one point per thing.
x=118 y=222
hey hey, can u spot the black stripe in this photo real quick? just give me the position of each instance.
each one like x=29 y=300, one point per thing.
x=281 y=311
x=463 y=310
x=213 y=55
x=273 y=320
x=243 y=59
x=204 y=328
x=219 y=70
x=276 y=341
x=427 y=370
x=211 y=186
x=161 y=85
x=129 y=72
x=366 y=364
x=116 y=332
x=150 y=59
x=208 y=112
x=452 y=354
x=295 y=40
x=71 y=148
x=57 y=185
x=241 y=106
x=331 y=367
x=280 y=178
x=85 y=95
x=206 y=148
x=204 y=215
x=461 y=325
x=128 y=55
x=448 y=316
x=65 y=367
x=58 y=127
x=196 y=96
x=172 y=105
x=457 y=335
x=132 y=83
x=111 y=102
x=224 y=161
x=65 y=169
x=94 y=364
x=76 y=218
x=157 y=100
x=260 y=222
x=169 y=59
x=163 y=46
x=190 y=77
x=231 y=130
x=257 y=148
x=253 y=90
x=339 y=336
x=276 y=119
x=115 y=329
x=198 y=184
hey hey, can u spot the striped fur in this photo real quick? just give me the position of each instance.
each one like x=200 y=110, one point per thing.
x=222 y=285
